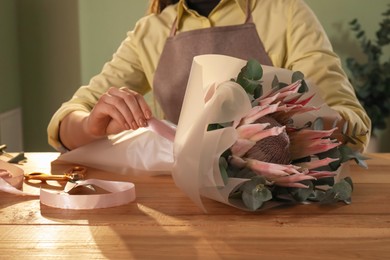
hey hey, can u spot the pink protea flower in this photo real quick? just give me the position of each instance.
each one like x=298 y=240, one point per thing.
x=280 y=160
x=268 y=147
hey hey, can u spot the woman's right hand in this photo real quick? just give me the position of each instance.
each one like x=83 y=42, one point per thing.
x=117 y=110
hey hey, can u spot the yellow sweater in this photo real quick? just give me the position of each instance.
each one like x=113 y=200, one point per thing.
x=291 y=34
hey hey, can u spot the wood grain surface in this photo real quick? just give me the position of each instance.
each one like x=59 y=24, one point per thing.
x=164 y=224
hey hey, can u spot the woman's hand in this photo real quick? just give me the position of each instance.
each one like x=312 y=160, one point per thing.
x=117 y=110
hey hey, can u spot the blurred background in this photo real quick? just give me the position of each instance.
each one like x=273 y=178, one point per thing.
x=48 y=48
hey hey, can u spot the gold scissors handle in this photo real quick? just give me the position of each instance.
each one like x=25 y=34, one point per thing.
x=73 y=174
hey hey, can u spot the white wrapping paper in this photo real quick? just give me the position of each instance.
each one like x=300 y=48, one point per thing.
x=143 y=150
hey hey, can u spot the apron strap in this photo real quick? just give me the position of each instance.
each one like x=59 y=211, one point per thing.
x=248 y=19
x=174 y=27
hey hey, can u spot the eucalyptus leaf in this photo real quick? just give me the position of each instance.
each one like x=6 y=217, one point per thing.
x=258 y=92
x=343 y=190
x=281 y=85
x=250 y=76
x=317 y=195
x=304 y=87
x=349 y=180
x=332 y=153
x=329 y=181
x=255 y=193
x=329 y=197
x=223 y=165
x=212 y=127
x=347 y=154
x=275 y=82
x=348 y=201
x=318 y=124
x=302 y=194
x=254 y=70
x=282 y=194
x=297 y=75
x=243 y=173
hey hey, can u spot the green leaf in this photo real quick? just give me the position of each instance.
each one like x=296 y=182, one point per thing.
x=254 y=70
x=249 y=77
x=332 y=153
x=255 y=193
x=348 y=201
x=212 y=127
x=329 y=181
x=360 y=34
x=329 y=197
x=223 y=165
x=304 y=87
x=258 y=92
x=297 y=75
x=282 y=194
x=281 y=85
x=348 y=154
x=343 y=190
x=275 y=82
x=317 y=195
x=302 y=194
x=353 y=22
x=349 y=180
x=318 y=124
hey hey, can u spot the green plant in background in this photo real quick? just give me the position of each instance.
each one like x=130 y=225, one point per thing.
x=371 y=78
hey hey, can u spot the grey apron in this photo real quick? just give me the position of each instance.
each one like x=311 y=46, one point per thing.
x=173 y=69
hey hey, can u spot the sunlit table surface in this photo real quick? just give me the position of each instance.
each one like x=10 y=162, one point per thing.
x=163 y=223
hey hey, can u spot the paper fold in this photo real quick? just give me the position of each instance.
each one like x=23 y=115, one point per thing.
x=127 y=153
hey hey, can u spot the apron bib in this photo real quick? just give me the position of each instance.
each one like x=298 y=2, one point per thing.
x=173 y=69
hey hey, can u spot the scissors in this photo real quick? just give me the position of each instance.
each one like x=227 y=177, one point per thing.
x=73 y=174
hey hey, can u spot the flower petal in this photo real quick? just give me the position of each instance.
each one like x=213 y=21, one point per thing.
x=271 y=170
x=258 y=112
x=237 y=161
x=312 y=148
x=294 y=178
x=266 y=101
x=322 y=174
x=241 y=147
x=314 y=164
x=274 y=131
x=292 y=87
x=247 y=131
x=292 y=185
x=309 y=134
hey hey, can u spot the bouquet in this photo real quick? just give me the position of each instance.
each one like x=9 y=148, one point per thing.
x=249 y=136
x=252 y=136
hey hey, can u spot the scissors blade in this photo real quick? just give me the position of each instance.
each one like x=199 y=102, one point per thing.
x=70 y=185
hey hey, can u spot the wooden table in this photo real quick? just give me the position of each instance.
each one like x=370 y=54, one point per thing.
x=164 y=224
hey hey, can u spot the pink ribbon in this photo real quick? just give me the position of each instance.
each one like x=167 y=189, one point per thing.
x=118 y=193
